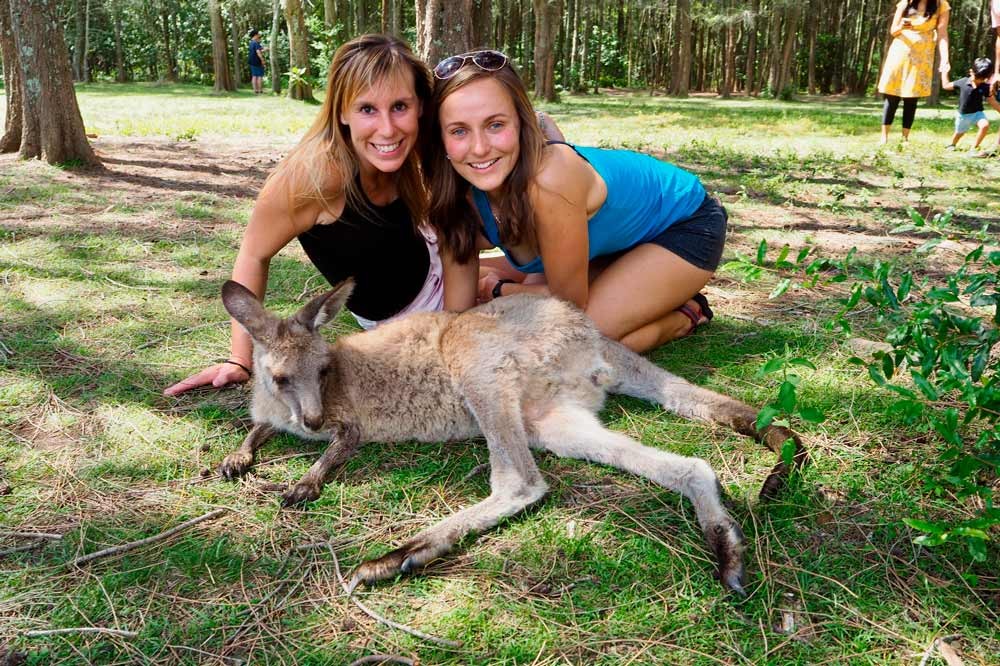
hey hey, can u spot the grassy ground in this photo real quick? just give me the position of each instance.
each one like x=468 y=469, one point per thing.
x=110 y=284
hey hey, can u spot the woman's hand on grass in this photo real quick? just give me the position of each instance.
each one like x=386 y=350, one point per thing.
x=218 y=375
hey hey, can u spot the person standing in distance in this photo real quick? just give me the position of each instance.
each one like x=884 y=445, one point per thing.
x=256 y=62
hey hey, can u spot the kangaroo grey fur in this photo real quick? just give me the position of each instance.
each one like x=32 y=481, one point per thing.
x=523 y=371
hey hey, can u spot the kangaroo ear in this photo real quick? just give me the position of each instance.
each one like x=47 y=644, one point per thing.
x=325 y=307
x=246 y=309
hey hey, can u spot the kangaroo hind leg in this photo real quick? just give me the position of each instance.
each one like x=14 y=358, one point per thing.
x=635 y=376
x=515 y=484
x=574 y=432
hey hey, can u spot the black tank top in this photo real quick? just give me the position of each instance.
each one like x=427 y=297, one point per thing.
x=380 y=249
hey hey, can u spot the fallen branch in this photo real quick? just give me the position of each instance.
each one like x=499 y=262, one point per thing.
x=32 y=535
x=81 y=630
x=116 y=550
x=375 y=616
x=381 y=659
x=19 y=549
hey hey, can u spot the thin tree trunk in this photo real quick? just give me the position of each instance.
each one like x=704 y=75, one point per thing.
x=273 y=47
x=171 y=59
x=13 y=122
x=80 y=19
x=121 y=75
x=52 y=126
x=682 y=69
x=298 y=50
x=751 y=66
x=600 y=41
x=329 y=14
x=86 y=45
x=234 y=33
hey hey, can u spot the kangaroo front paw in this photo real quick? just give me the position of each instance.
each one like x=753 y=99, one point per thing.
x=236 y=465
x=300 y=493
x=412 y=556
x=727 y=542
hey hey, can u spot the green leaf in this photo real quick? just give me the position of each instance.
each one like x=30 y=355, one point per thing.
x=905 y=284
x=977 y=548
x=803 y=253
x=801 y=362
x=812 y=415
x=925 y=526
x=783 y=254
x=786 y=397
x=876 y=375
x=775 y=364
x=766 y=415
x=918 y=219
x=930 y=540
x=970 y=532
x=780 y=288
x=788 y=449
x=761 y=252
x=929 y=245
x=925 y=386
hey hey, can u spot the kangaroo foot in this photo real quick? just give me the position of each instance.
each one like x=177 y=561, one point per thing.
x=410 y=557
x=774 y=438
x=727 y=542
x=301 y=493
x=236 y=465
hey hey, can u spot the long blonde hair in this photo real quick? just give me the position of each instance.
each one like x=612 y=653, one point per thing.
x=450 y=212
x=325 y=155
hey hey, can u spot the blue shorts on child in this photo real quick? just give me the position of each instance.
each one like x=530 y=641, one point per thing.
x=966 y=121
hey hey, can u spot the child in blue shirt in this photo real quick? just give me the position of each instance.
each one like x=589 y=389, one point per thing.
x=972 y=91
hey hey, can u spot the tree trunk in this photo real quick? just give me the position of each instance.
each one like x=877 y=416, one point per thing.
x=298 y=51
x=170 y=57
x=679 y=85
x=785 y=74
x=121 y=75
x=386 y=11
x=86 y=45
x=751 y=66
x=482 y=23
x=220 y=59
x=329 y=14
x=600 y=41
x=52 y=126
x=273 y=47
x=811 y=74
x=234 y=33
x=13 y=125
x=79 y=19
x=444 y=28
x=547 y=15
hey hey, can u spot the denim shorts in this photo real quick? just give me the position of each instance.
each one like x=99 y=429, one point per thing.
x=966 y=121
x=256 y=70
x=698 y=239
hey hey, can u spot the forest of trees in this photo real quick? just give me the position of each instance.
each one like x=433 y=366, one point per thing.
x=768 y=47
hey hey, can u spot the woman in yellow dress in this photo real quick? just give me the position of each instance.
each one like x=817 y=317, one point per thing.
x=909 y=64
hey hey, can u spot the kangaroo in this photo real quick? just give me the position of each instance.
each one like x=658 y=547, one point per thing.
x=522 y=371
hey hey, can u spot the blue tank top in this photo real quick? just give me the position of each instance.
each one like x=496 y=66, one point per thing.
x=645 y=197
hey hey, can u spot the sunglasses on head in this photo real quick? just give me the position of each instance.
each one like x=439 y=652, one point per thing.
x=488 y=61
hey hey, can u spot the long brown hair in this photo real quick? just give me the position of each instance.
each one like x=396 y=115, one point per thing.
x=324 y=165
x=450 y=210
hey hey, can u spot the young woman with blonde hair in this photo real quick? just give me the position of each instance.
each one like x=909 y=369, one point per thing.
x=352 y=193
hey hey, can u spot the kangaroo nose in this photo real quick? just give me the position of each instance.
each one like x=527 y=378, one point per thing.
x=313 y=422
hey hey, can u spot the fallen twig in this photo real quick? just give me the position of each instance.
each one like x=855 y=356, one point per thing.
x=19 y=549
x=32 y=535
x=81 y=630
x=115 y=550
x=475 y=470
x=375 y=616
x=381 y=659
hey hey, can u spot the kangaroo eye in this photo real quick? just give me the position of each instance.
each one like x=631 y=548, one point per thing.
x=280 y=381
x=324 y=371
